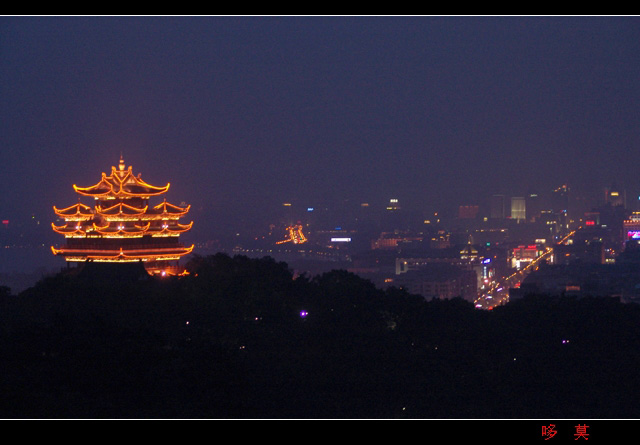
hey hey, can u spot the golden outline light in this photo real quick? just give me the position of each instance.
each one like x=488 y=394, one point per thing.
x=113 y=186
x=121 y=221
x=123 y=255
x=78 y=215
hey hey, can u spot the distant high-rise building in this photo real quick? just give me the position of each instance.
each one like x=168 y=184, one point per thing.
x=523 y=255
x=631 y=227
x=497 y=207
x=533 y=206
x=615 y=196
x=468 y=212
x=518 y=208
x=560 y=199
x=394 y=204
x=560 y=207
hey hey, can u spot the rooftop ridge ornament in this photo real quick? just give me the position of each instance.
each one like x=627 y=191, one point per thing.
x=121 y=183
x=122 y=226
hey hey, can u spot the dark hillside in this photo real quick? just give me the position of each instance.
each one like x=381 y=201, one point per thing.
x=241 y=338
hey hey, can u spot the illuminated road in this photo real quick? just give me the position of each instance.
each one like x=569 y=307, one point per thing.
x=498 y=293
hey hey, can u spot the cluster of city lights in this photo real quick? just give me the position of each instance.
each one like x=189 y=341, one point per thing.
x=295 y=235
x=518 y=275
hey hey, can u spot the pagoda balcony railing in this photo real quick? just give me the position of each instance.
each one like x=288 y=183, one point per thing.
x=124 y=247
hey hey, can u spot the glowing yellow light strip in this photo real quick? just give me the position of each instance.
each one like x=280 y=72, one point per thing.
x=122 y=255
x=76 y=206
x=120 y=232
x=122 y=206
x=97 y=190
x=115 y=176
x=165 y=204
x=171 y=231
x=77 y=215
x=69 y=231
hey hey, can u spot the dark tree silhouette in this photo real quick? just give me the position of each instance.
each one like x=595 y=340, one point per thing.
x=242 y=337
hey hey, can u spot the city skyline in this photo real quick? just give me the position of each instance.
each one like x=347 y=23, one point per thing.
x=242 y=114
x=321 y=217
x=243 y=111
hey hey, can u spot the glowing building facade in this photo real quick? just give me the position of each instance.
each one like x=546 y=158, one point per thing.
x=631 y=227
x=123 y=226
x=518 y=208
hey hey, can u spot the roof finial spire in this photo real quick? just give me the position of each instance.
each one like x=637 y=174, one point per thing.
x=121 y=166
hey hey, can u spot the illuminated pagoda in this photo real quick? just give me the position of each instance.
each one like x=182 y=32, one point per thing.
x=123 y=226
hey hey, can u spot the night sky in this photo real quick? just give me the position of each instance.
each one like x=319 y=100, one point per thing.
x=243 y=113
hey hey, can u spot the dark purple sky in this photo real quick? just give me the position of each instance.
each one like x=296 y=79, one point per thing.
x=238 y=113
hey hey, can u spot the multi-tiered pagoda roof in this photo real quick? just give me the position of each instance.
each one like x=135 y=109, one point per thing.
x=123 y=226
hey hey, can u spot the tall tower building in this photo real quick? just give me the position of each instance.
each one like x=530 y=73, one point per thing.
x=123 y=226
x=533 y=206
x=560 y=207
x=560 y=199
x=615 y=196
x=518 y=208
x=468 y=211
x=497 y=207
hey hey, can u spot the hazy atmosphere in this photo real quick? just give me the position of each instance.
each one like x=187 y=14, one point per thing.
x=239 y=113
x=321 y=217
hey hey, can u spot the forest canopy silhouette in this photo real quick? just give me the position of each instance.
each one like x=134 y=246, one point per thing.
x=247 y=338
